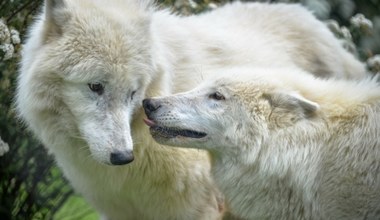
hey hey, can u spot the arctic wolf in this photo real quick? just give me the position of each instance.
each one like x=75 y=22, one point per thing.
x=87 y=65
x=283 y=144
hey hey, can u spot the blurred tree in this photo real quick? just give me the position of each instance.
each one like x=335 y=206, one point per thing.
x=32 y=187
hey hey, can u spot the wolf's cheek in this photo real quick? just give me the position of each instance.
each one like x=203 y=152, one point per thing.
x=103 y=123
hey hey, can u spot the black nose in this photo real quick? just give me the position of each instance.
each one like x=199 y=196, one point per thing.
x=121 y=157
x=150 y=106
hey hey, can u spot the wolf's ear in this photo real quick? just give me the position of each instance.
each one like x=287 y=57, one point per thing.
x=290 y=106
x=56 y=15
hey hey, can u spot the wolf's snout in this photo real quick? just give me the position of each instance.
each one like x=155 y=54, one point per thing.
x=121 y=157
x=150 y=106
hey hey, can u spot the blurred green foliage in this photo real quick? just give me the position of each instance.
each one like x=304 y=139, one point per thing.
x=32 y=187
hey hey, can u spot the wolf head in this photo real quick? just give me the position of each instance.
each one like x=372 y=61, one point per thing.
x=235 y=109
x=84 y=72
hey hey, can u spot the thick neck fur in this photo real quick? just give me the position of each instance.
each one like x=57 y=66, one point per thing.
x=272 y=177
x=287 y=176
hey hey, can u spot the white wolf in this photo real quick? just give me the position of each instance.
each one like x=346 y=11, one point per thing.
x=87 y=65
x=283 y=144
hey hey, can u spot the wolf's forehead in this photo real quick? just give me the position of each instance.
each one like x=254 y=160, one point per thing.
x=104 y=37
x=98 y=44
x=101 y=54
x=242 y=88
x=97 y=71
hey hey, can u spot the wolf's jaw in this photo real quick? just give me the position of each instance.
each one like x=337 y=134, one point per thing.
x=171 y=132
x=168 y=132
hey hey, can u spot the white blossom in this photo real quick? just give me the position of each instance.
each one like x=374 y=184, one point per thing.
x=4 y=147
x=374 y=63
x=15 y=37
x=212 y=5
x=346 y=33
x=193 y=4
x=4 y=32
x=360 y=21
x=8 y=51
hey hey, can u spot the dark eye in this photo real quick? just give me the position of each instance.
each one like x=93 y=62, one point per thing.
x=133 y=94
x=217 y=96
x=96 y=87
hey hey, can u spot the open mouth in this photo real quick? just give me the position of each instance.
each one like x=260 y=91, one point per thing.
x=168 y=132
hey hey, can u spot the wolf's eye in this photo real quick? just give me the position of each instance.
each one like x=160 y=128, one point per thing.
x=133 y=94
x=216 y=96
x=96 y=87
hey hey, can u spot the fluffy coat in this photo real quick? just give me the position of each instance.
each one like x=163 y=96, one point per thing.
x=130 y=50
x=283 y=144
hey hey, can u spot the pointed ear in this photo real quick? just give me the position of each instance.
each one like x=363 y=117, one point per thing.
x=291 y=103
x=56 y=15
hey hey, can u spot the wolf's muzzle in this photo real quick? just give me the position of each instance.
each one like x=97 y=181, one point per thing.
x=150 y=106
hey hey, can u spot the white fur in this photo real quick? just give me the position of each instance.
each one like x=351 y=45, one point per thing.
x=283 y=144
x=131 y=47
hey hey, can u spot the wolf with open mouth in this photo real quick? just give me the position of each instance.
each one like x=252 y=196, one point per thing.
x=283 y=144
x=87 y=65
